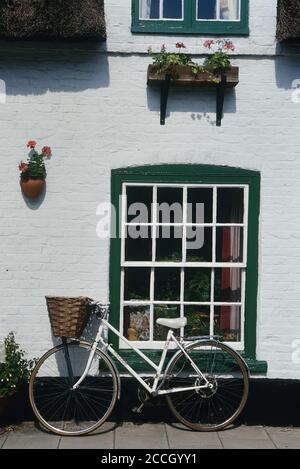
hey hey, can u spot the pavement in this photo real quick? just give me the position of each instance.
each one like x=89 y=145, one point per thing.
x=158 y=436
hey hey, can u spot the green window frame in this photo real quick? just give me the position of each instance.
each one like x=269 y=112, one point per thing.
x=190 y=174
x=189 y=24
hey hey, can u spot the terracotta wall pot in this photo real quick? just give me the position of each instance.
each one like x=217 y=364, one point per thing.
x=32 y=188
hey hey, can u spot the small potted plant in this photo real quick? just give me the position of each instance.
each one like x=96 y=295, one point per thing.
x=15 y=371
x=219 y=61
x=174 y=64
x=33 y=172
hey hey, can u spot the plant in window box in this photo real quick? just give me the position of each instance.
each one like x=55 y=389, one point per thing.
x=181 y=68
x=15 y=371
x=178 y=69
x=219 y=61
x=174 y=64
x=33 y=172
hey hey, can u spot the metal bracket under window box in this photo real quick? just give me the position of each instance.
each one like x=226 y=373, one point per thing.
x=186 y=78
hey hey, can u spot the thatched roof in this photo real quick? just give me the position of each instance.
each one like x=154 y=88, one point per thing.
x=288 y=20
x=22 y=19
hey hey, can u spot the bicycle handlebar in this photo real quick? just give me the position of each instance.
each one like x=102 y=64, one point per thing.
x=101 y=310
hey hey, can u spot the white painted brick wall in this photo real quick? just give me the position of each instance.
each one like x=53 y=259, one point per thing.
x=96 y=112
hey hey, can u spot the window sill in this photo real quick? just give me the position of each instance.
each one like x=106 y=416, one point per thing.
x=203 y=30
x=256 y=367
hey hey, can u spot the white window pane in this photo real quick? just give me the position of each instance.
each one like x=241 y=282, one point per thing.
x=227 y=323
x=219 y=9
x=228 y=285
x=137 y=284
x=167 y=284
x=198 y=244
x=230 y=244
x=197 y=285
x=164 y=312
x=229 y=10
x=207 y=9
x=137 y=323
x=139 y=204
x=230 y=205
x=198 y=320
x=169 y=244
x=172 y=9
x=149 y=9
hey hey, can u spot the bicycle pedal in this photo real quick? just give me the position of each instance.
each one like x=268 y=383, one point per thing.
x=138 y=410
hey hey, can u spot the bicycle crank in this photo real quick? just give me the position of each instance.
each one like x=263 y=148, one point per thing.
x=144 y=396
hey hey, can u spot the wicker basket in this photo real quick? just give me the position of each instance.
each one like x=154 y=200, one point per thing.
x=68 y=316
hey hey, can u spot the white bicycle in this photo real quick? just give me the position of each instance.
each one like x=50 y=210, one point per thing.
x=74 y=386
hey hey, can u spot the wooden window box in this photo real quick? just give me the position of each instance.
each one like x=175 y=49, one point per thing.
x=184 y=77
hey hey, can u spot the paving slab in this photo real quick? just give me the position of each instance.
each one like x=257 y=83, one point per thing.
x=250 y=443
x=31 y=442
x=102 y=439
x=146 y=436
x=2 y=439
x=244 y=432
x=180 y=437
x=28 y=429
x=285 y=438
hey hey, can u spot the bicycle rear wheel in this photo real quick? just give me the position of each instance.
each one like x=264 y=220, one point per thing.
x=63 y=410
x=208 y=409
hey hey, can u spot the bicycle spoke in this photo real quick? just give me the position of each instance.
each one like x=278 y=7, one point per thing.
x=214 y=405
x=63 y=409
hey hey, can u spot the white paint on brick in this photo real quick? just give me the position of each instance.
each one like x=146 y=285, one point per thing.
x=96 y=112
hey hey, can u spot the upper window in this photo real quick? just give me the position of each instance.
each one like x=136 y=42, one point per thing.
x=190 y=16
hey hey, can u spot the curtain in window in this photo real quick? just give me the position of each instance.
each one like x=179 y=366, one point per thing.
x=229 y=9
x=145 y=8
x=231 y=279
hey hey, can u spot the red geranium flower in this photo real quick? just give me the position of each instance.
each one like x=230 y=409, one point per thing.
x=46 y=151
x=229 y=45
x=207 y=44
x=180 y=45
x=31 y=144
x=23 y=167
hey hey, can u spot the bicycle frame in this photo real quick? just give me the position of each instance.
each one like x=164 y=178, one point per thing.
x=153 y=390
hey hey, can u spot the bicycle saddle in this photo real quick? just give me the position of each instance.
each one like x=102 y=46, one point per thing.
x=176 y=323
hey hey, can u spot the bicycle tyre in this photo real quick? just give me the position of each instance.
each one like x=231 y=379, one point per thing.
x=208 y=410
x=99 y=391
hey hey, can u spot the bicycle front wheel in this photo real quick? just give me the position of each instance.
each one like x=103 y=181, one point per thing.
x=209 y=408
x=61 y=409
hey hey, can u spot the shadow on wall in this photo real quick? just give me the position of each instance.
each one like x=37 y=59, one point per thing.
x=28 y=70
x=287 y=69
x=199 y=104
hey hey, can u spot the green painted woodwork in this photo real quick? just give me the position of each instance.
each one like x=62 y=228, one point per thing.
x=190 y=25
x=193 y=174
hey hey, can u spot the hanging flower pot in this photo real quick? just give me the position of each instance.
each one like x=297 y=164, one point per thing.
x=32 y=188
x=33 y=172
